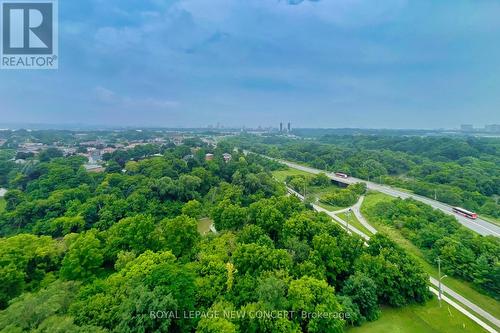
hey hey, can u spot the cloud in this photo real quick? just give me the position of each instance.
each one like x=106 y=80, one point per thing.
x=213 y=39
x=298 y=2
x=111 y=39
x=240 y=61
x=343 y=13
x=110 y=99
x=105 y=95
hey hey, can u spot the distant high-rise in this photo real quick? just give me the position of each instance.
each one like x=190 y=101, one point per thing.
x=467 y=128
x=492 y=128
x=289 y=127
x=281 y=127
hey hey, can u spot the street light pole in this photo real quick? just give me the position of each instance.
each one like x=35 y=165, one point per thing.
x=348 y=215
x=440 y=285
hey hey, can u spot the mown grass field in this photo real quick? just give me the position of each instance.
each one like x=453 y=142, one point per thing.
x=281 y=175
x=429 y=318
x=464 y=288
x=373 y=198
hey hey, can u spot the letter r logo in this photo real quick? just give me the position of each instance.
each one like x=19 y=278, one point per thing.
x=27 y=27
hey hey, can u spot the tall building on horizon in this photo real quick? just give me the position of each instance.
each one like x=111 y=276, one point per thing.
x=289 y=127
x=494 y=128
x=467 y=128
x=281 y=127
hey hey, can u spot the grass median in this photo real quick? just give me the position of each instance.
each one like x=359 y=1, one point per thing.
x=428 y=318
x=353 y=220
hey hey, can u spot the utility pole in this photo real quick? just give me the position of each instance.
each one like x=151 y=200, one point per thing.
x=348 y=216
x=439 y=276
x=435 y=194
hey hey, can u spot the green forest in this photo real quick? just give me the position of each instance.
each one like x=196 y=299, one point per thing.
x=463 y=253
x=462 y=171
x=119 y=251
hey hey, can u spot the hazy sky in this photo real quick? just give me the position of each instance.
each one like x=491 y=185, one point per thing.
x=329 y=63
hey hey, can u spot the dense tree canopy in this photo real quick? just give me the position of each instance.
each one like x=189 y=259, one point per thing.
x=463 y=253
x=459 y=171
x=120 y=251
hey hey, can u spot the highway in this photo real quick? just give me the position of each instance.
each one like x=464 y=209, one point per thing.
x=480 y=226
x=452 y=294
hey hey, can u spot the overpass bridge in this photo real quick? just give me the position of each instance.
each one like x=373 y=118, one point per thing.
x=479 y=225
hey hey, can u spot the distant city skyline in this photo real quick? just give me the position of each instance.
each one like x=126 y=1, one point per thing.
x=392 y=64
x=281 y=127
